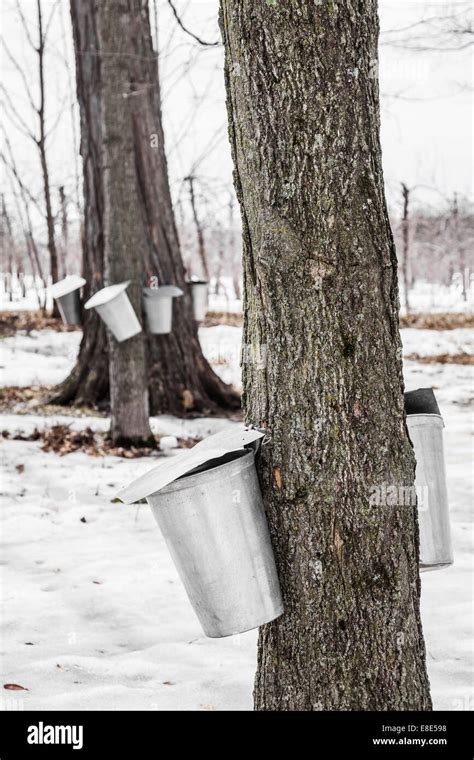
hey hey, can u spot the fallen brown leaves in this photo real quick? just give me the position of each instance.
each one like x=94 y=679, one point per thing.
x=231 y=318
x=11 y=396
x=11 y=321
x=442 y=359
x=14 y=687
x=61 y=440
x=437 y=320
x=34 y=398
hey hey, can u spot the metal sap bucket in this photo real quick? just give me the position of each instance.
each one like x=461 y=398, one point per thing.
x=159 y=308
x=113 y=306
x=214 y=525
x=66 y=294
x=425 y=427
x=199 y=293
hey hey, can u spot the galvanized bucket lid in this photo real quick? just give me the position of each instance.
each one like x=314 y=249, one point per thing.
x=70 y=283
x=421 y=401
x=164 y=291
x=213 y=447
x=106 y=295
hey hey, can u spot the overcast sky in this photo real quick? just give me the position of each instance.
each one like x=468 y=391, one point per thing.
x=426 y=104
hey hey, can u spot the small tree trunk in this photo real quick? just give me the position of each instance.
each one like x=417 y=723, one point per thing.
x=459 y=248
x=322 y=346
x=6 y=247
x=406 y=245
x=64 y=230
x=41 y=142
x=199 y=231
x=34 y=255
x=236 y=264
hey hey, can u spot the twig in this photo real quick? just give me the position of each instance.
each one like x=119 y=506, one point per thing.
x=191 y=34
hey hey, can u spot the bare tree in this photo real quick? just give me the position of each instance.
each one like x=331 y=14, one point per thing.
x=406 y=246
x=7 y=250
x=235 y=254
x=199 y=230
x=63 y=204
x=23 y=200
x=39 y=134
x=457 y=245
x=41 y=142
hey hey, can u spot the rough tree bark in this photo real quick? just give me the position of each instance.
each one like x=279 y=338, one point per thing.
x=180 y=379
x=88 y=383
x=321 y=305
x=124 y=234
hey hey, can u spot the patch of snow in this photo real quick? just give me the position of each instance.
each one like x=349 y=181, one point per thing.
x=46 y=357
x=436 y=342
x=431 y=296
x=42 y=357
x=221 y=347
x=225 y=300
x=90 y=584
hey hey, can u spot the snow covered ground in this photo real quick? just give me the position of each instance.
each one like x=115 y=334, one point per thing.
x=94 y=615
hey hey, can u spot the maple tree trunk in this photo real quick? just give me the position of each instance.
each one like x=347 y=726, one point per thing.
x=321 y=310
x=124 y=233
x=180 y=379
x=88 y=383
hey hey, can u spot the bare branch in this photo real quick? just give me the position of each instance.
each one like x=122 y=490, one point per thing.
x=24 y=24
x=442 y=33
x=48 y=23
x=191 y=34
x=58 y=118
x=17 y=120
x=11 y=166
x=423 y=22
